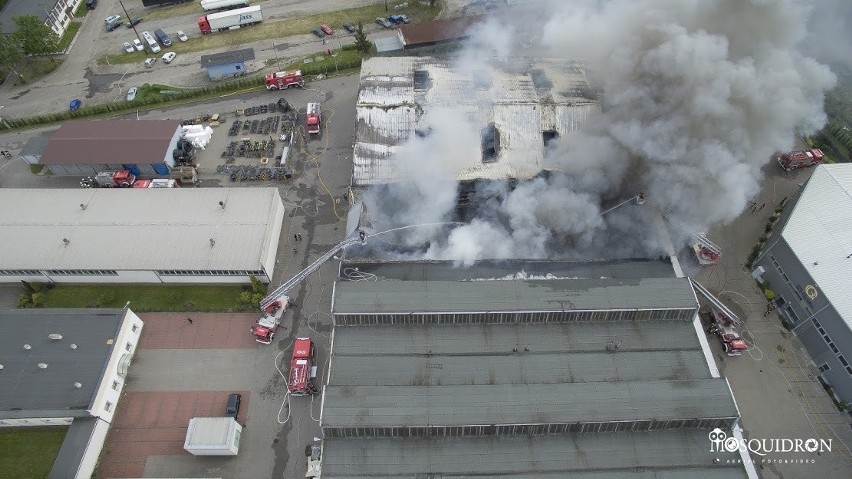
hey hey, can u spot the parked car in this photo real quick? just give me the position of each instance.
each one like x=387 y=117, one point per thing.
x=112 y=22
x=128 y=47
x=138 y=45
x=181 y=36
x=131 y=94
x=318 y=32
x=326 y=29
x=133 y=22
x=150 y=62
x=349 y=27
x=383 y=22
x=168 y=57
x=162 y=37
x=91 y=4
x=232 y=409
x=405 y=19
x=75 y=104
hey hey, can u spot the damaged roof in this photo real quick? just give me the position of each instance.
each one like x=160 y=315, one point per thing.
x=395 y=93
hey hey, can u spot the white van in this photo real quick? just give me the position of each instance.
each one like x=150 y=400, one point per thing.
x=151 y=41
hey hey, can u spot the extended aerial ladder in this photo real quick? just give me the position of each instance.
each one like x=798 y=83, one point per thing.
x=360 y=237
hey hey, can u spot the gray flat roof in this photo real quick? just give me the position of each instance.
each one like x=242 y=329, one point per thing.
x=26 y=387
x=518 y=269
x=225 y=58
x=670 y=454
x=73 y=447
x=388 y=406
x=376 y=297
x=423 y=355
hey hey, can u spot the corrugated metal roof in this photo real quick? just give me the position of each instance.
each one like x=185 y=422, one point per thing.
x=208 y=432
x=137 y=228
x=110 y=141
x=671 y=454
x=24 y=386
x=226 y=58
x=819 y=231
x=458 y=405
x=424 y=355
x=555 y=96
x=365 y=297
x=425 y=33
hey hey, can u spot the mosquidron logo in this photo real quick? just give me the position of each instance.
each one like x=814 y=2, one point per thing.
x=720 y=443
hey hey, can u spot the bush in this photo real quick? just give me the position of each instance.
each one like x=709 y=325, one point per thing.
x=768 y=294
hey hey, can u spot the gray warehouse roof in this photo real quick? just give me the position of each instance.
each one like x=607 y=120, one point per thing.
x=430 y=355
x=671 y=454
x=376 y=297
x=87 y=142
x=389 y=406
x=138 y=228
x=226 y=58
x=26 y=387
x=73 y=447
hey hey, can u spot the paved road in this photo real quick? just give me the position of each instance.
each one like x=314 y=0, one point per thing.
x=80 y=77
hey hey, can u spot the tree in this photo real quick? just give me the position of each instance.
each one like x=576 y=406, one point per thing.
x=361 y=43
x=35 y=37
x=10 y=53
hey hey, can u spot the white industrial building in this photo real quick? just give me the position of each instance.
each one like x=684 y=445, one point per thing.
x=807 y=262
x=61 y=367
x=130 y=235
x=523 y=110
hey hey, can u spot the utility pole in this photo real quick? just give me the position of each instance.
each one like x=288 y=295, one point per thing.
x=128 y=20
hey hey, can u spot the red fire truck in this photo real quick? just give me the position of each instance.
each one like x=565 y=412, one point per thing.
x=265 y=327
x=303 y=372
x=285 y=79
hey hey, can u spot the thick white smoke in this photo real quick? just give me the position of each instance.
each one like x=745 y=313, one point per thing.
x=697 y=95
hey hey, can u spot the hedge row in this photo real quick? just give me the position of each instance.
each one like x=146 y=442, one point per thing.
x=120 y=107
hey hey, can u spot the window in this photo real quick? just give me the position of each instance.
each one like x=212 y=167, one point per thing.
x=128 y=346
x=842 y=360
x=115 y=385
x=824 y=368
x=134 y=328
x=108 y=406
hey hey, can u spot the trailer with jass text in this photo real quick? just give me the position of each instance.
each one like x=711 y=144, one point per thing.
x=230 y=20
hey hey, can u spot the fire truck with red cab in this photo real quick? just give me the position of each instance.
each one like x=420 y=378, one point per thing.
x=110 y=179
x=303 y=372
x=285 y=79
x=264 y=329
x=313 y=118
x=800 y=159
x=732 y=342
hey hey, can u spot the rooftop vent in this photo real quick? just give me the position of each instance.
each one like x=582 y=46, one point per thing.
x=66 y=241
x=540 y=80
x=1 y=367
x=490 y=143
x=27 y=347
x=421 y=80
x=549 y=135
x=55 y=337
x=42 y=365
x=73 y=346
x=78 y=385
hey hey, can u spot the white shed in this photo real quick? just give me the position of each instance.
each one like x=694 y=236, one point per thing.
x=213 y=436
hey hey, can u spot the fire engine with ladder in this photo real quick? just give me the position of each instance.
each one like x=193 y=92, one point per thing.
x=303 y=371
